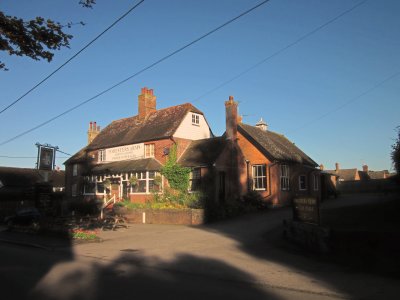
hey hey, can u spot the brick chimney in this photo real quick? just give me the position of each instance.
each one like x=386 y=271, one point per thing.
x=321 y=167
x=337 y=167
x=146 y=103
x=365 y=168
x=231 y=119
x=93 y=131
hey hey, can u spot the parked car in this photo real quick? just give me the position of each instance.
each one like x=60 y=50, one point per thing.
x=28 y=217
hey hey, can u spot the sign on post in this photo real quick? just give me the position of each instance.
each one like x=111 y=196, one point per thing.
x=46 y=157
x=306 y=210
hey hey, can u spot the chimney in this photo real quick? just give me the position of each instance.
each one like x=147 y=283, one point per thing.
x=231 y=119
x=321 y=167
x=262 y=125
x=337 y=167
x=365 y=168
x=93 y=131
x=146 y=103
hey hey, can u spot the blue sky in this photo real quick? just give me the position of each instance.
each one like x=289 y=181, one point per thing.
x=329 y=93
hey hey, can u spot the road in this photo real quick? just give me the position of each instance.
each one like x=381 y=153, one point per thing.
x=238 y=259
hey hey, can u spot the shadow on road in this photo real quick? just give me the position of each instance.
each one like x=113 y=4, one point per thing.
x=45 y=274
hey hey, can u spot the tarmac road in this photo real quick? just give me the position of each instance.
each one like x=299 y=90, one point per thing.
x=240 y=259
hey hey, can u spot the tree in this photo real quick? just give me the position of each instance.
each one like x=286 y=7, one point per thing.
x=37 y=38
x=396 y=152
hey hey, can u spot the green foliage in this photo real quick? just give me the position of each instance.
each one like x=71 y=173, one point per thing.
x=37 y=38
x=170 y=199
x=396 y=152
x=133 y=181
x=178 y=176
x=81 y=234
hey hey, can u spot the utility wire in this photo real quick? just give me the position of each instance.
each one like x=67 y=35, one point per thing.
x=276 y=53
x=351 y=100
x=136 y=74
x=7 y=156
x=76 y=54
x=63 y=152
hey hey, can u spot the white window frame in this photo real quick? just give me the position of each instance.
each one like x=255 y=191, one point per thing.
x=259 y=172
x=285 y=182
x=75 y=170
x=316 y=182
x=149 y=150
x=195 y=175
x=300 y=182
x=195 y=119
x=102 y=155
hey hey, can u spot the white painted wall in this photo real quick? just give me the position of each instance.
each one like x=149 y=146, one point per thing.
x=187 y=130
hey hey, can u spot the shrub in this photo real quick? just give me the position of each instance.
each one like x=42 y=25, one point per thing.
x=178 y=176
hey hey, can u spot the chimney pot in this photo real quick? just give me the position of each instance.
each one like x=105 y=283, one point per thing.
x=337 y=166
x=321 y=167
x=365 y=168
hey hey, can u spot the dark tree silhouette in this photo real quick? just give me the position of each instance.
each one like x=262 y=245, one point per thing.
x=396 y=152
x=37 y=38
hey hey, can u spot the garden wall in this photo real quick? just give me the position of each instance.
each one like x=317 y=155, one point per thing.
x=165 y=216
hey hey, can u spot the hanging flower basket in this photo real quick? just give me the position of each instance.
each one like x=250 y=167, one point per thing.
x=157 y=180
x=107 y=183
x=133 y=181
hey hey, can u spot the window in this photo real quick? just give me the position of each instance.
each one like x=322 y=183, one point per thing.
x=316 y=183
x=195 y=119
x=149 y=150
x=74 y=190
x=89 y=188
x=195 y=180
x=302 y=182
x=285 y=178
x=74 y=170
x=102 y=155
x=100 y=188
x=259 y=177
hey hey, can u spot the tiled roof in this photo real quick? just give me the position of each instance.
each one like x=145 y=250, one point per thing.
x=275 y=146
x=378 y=174
x=202 y=152
x=80 y=156
x=345 y=174
x=159 y=124
x=146 y=164
x=20 y=177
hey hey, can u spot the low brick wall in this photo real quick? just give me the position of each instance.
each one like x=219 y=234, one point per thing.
x=165 y=216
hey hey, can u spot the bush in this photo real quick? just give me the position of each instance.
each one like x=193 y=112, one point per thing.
x=254 y=201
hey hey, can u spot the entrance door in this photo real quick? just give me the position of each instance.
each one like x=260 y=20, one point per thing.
x=115 y=190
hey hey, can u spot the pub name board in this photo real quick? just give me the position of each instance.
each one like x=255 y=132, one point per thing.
x=135 y=151
x=306 y=210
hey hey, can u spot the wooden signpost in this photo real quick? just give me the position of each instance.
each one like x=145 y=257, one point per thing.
x=306 y=210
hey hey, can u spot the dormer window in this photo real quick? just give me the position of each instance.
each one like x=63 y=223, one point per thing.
x=195 y=119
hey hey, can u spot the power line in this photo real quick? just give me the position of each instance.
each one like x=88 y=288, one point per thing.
x=63 y=152
x=20 y=157
x=75 y=55
x=135 y=74
x=351 y=100
x=276 y=53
